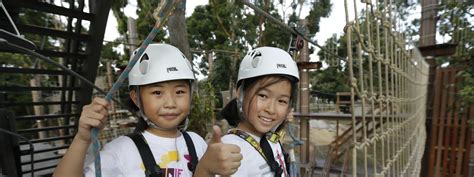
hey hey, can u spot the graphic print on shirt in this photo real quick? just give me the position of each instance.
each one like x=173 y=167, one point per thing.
x=165 y=160
x=282 y=162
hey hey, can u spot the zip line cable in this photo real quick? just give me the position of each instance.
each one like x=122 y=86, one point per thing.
x=286 y=27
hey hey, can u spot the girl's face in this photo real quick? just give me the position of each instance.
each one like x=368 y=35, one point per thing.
x=166 y=103
x=266 y=107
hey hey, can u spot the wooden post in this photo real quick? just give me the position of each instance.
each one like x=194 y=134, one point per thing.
x=428 y=37
x=304 y=104
x=132 y=34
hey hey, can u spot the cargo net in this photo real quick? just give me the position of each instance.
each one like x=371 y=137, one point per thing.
x=390 y=77
x=120 y=121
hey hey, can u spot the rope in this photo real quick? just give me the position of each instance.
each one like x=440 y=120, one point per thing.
x=289 y=29
x=161 y=14
x=391 y=82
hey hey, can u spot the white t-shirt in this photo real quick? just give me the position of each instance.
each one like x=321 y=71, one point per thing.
x=253 y=164
x=120 y=157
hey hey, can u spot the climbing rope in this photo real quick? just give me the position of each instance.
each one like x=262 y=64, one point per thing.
x=161 y=14
x=391 y=81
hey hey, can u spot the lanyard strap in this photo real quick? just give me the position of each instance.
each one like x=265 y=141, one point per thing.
x=249 y=139
x=266 y=152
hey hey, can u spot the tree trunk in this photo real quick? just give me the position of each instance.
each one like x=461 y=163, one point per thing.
x=39 y=109
x=178 y=31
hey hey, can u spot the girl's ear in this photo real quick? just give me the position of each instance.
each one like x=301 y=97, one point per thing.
x=133 y=96
x=289 y=116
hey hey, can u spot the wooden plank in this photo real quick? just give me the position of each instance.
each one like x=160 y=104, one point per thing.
x=444 y=99
x=52 y=32
x=41 y=117
x=45 y=128
x=434 y=125
x=462 y=142
x=49 y=167
x=449 y=88
x=440 y=82
x=19 y=88
x=50 y=8
x=31 y=71
x=42 y=160
x=43 y=103
x=48 y=139
x=467 y=141
x=51 y=53
x=455 y=129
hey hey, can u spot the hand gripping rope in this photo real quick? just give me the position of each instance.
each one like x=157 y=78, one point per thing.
x=161 y=14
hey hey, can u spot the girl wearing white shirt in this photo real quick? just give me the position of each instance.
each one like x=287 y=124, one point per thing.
x=266 y=89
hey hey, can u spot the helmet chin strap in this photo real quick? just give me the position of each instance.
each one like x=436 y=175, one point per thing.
x=181 y=126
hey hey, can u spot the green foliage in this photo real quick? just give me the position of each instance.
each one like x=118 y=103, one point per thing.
x=330 y=80
x=452 y=16
x=222 y=26
x=231 y=27
x=202 y=112
x=117 y=7
x=319 y=9
x=467 y=91
x=145 y=22
x=15 y=60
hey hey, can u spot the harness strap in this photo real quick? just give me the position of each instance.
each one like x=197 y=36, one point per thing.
x=192 y=151
x=152 y=169
x=287 y=158
x=271 y=161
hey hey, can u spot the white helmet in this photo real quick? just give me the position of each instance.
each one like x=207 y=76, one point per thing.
x=159 y=63
x=266 y=61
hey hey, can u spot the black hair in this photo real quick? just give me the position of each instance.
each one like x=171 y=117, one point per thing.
x=141 y=125
x=230 y=113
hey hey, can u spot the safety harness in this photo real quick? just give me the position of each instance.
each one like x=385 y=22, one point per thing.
x=265 y=150
x=152 y=169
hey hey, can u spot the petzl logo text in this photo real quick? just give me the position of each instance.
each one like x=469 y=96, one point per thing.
x=171 y=69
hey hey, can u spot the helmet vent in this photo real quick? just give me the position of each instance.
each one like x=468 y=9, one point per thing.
x=255 y=58
x=144 y=64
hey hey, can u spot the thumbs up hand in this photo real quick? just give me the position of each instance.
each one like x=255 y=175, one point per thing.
x=219 y=159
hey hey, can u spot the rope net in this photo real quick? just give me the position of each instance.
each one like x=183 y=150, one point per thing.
x=390 y=78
